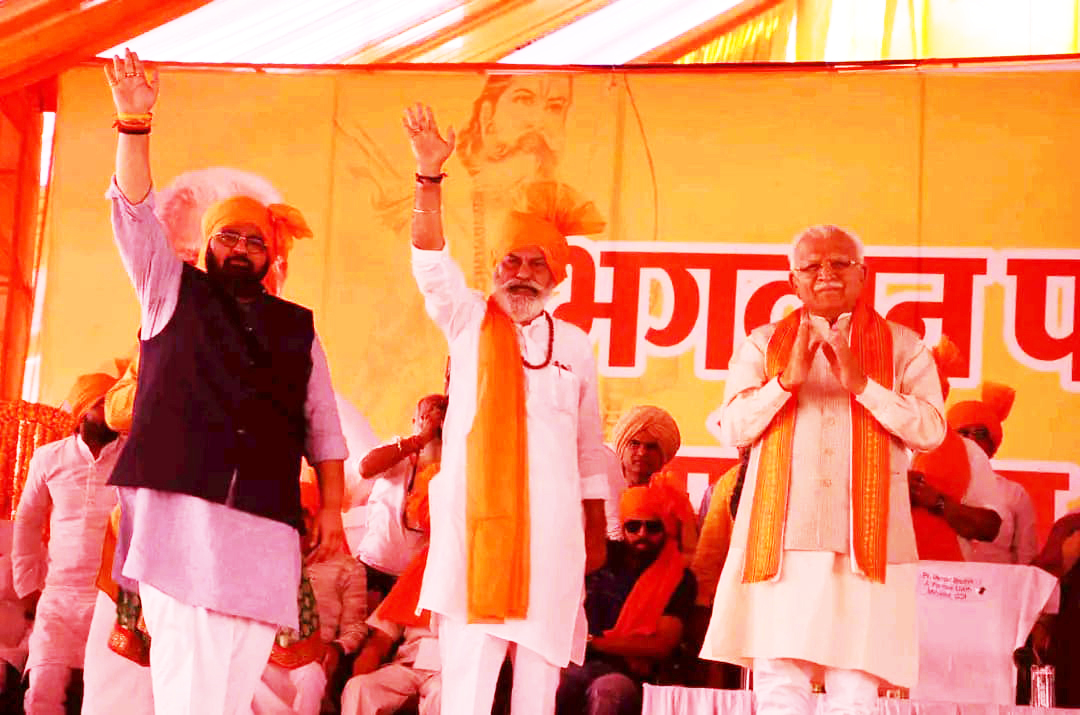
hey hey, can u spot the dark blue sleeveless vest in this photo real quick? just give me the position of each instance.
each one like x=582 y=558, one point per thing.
x=219 y=408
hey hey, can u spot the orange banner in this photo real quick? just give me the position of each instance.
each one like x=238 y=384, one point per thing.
x=959 y=181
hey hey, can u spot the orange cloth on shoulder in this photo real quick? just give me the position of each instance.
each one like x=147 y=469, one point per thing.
x=948 y=470
x=641 y=612
x=497 y=456
x=400 y=604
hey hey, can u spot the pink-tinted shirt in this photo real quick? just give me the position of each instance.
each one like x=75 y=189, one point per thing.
x=200 y=552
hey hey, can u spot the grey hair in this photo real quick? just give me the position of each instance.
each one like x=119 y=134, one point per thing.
x=824 y=230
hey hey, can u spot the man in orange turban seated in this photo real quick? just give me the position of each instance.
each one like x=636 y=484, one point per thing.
x=65 y=485
x=233 y=392
x=638 y=605
x=822 y=564
x=517 y=512
x=980 y=420
x=955 y=500
x=646 y=438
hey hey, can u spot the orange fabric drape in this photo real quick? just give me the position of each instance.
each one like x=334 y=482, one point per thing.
x=20 y=124
x=946 y=469
x=497 y=480
x=871 y=342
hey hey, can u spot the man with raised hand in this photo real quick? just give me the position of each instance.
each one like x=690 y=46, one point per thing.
x=517 y=512
x=234 y=390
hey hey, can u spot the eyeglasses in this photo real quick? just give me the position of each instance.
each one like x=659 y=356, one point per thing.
x=229 y=239
x=836 y=265
x=652 y=526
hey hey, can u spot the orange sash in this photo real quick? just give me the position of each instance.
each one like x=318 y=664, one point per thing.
x=947 y=469
x=399 y=605
x=497 y=479
x=642 y=609
x=871 y=342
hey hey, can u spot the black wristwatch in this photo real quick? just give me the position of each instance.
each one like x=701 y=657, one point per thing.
x=939 y=506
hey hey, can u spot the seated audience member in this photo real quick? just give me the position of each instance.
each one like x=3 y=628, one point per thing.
x=646 y=438
x=715 y=536
x=388 y=544
x=413 y=674
x=1055 y=635
x=306 y=666
x=14 y=630
x=637 y=606
x=980 y=421
x=955 y=499
x=65 y=487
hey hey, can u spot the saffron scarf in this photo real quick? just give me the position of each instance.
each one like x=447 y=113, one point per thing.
x=948 y=470
x=871 y=343
x=497 y=479
x=400 y=604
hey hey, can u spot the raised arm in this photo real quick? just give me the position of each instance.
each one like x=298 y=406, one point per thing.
x=431 y=152
x=133 y=95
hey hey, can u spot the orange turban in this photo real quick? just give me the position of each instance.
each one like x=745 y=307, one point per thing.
x=87 y=392
x=990 y=412
x=550 y=212
x=278 y=223
x=649 y=502
x=657 y=423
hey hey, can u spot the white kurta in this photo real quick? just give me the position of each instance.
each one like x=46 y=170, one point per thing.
x=65 y=475
x=818 y=609
x=984 y=491
x=1017 y=541
x=566 y=465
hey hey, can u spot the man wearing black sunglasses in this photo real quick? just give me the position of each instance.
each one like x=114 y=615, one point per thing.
x=637 y=607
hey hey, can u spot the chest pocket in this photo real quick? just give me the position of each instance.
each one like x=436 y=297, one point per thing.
x=553 y=389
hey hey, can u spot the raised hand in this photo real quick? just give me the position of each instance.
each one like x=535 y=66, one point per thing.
x=802 y=354
x=843 y=363
x=428 y=145
x=132 y=91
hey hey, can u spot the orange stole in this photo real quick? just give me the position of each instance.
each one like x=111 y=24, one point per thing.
x=947 y=469
x=871 y=343
x=399 y=605
x=641 y=611
x=497 y=479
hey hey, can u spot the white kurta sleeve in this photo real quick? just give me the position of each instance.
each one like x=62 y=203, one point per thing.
x=912 y=410
x=447 y=298
x=28 y=552
x=751 y=400
x=592 y=456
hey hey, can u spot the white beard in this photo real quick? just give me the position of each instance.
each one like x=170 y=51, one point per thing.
x=521 y=308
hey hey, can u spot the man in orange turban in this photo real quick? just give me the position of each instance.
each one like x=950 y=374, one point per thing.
x=233 y=393
x=646 y=438
x=518 y=508
x=65 y=485
x=956 y=506
x=980 y=421
x=638 y=605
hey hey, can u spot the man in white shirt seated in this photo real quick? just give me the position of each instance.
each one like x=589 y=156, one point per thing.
x=389 y=544
x=980 y=421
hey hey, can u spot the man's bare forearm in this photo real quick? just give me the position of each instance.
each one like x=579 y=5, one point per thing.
x=133 y=166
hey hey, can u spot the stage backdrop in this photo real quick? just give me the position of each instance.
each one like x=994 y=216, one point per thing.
x=962 y=182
